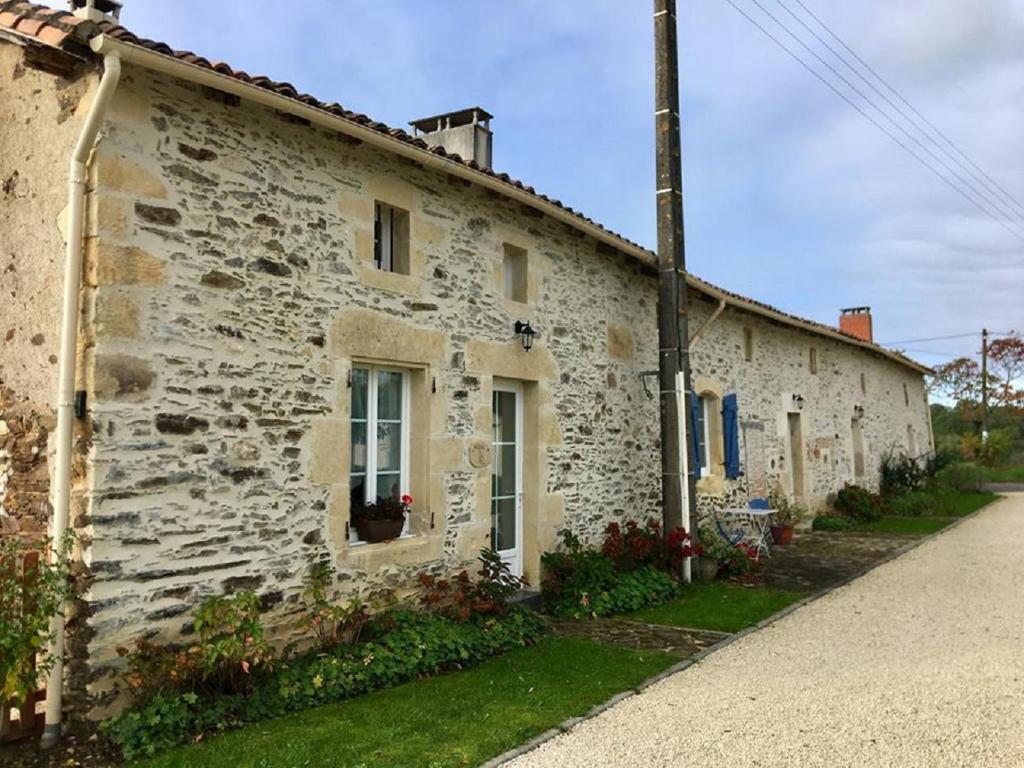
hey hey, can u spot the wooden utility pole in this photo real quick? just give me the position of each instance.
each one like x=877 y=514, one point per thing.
x=677 y=483
x=984 y=385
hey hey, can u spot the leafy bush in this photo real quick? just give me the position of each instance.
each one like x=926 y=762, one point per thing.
x=635 y=546
x=405 y=646
x=988 y=453
x=631 y=571
x=26 y=605
x=962 y=477
x=918 y=503
x=230 y=649
x=856 y=503
x=331 y=624
x=461 y=598
x=623 y=593
x=899 y=473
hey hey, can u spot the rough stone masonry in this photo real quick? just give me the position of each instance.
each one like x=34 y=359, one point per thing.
x=229 y=291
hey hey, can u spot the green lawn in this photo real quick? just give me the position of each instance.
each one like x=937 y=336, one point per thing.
x=1004 y=474
x=718 y=606
x=965 y=503
x=461 y=719
x=909 y=526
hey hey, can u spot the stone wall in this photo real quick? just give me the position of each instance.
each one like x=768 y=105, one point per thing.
x=40 y=114
x=766 y=386
x=229 y=291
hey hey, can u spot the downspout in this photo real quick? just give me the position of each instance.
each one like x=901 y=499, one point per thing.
x=66 y=369
x=707 y=323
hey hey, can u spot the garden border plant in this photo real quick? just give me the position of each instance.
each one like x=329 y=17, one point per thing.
x=634 y=568
x=27 y=602
x=230 y=679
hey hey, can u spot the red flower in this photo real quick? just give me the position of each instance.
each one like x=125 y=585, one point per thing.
x=407 y=500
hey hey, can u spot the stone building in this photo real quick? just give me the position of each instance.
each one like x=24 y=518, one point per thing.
x=287 y=308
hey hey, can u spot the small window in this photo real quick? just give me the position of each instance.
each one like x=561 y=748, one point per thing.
x=906 y=395
x=748 y=344
x=514 y=274
x=391 y=239
x=703 y=435
x=380 y=436
x=863 y=384
x=813 y=360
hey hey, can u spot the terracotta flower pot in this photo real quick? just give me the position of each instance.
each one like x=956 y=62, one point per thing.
x=782 y=534
x=373 y=531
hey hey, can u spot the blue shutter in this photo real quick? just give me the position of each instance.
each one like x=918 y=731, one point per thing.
x=694 y=439
x=731 y=436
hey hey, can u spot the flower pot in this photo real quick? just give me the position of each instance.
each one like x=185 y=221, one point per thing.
x=782 y=534
x=373 y=531
x=707 y=568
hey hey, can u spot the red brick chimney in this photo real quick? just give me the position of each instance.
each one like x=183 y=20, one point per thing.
x=856 y=321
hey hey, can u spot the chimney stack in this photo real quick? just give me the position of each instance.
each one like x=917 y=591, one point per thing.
x=466 y=133
x=97 y=10
x=856 y=321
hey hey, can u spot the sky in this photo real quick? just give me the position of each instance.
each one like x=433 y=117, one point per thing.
x=791 y=196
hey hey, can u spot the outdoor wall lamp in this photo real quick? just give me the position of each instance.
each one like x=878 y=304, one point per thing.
x=526 y=333
x=858 y=411
x=798 y=401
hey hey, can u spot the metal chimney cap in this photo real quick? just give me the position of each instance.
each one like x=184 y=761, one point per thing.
x=467 y=116
x=97 y=10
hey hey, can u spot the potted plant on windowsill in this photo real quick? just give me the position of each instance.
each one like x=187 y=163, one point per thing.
x=382 y=520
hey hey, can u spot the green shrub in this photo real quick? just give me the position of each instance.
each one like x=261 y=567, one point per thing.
x=899 y=473
x=831 y=523
x=962 y=477
x=628 y=573
x=331 y=624
x=26 y=605
x=917 y=503
x=402 y=645
x=856 y=503
x=623 y=593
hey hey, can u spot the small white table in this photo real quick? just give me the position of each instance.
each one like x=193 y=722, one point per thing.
x=758 y=524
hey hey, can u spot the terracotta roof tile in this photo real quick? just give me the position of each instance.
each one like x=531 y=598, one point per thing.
x=57 y=28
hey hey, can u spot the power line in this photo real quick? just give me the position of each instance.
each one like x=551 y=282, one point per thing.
x=994 y=184
x=869 y=102
x=874 y=122
x=986 y=193
x=932 y=338
x=945 y=338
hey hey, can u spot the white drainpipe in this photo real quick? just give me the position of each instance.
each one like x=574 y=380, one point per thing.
x=66 y=368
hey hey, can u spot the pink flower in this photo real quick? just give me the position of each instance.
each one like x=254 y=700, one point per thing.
x=245 y=666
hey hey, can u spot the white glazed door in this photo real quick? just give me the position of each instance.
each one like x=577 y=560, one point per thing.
x=507 y=475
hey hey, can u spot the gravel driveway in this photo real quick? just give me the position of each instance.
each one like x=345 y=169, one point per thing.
x=918 y=663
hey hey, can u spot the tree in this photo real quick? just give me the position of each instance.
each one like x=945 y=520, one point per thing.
x=960 y=380
x=1006 y=371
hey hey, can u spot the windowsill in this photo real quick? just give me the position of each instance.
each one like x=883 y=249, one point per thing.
x=389 y=281
x=361 y=543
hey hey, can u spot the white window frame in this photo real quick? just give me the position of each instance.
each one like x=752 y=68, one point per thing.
x=704 y=441
x=370 y=471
